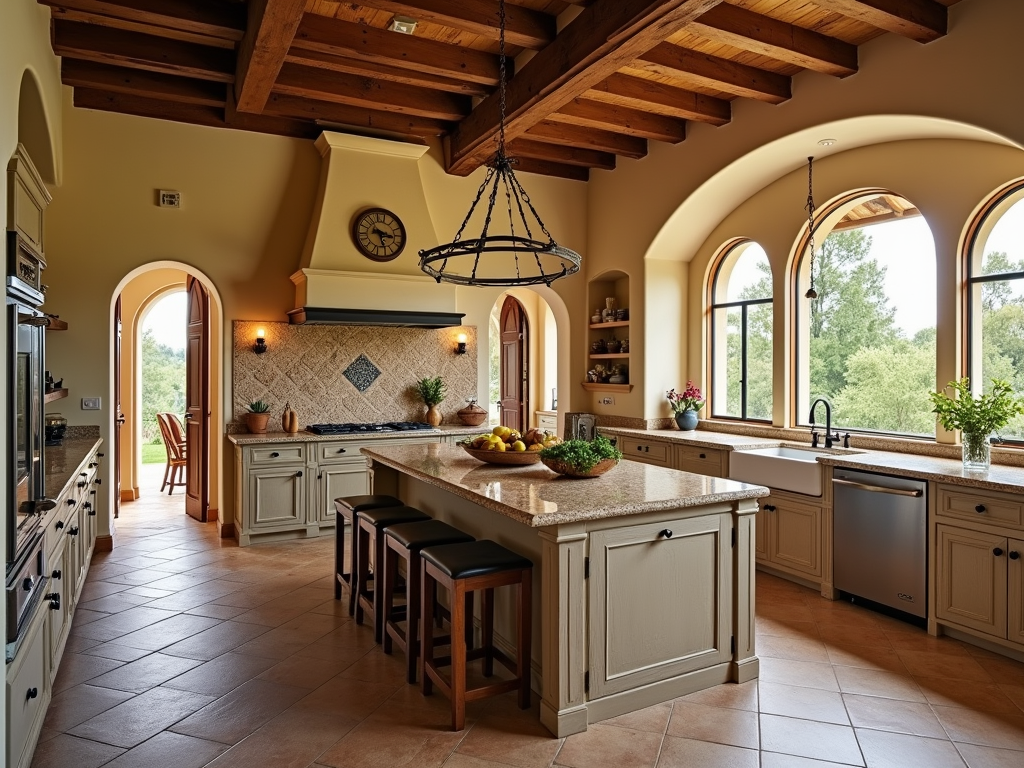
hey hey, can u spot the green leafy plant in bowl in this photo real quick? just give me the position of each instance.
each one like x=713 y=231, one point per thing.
x=257 y=417
x=581 y=458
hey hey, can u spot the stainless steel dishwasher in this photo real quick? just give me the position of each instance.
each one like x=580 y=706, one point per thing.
x=880 y=539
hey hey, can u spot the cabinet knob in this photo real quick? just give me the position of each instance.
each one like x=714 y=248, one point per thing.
x=665 y=534
x=980 y=509
x=56 y=575
x=58 y=525
x=54 y=599
x=81 y=483
x=299 y=473
x=769 y=507
x=71 y=502
x=93 y=464
x=342 y=450
x=1014 y=554
x=997 y=551
x=274 y=455
x=27 y=584
x=73 y=531
x=83 y=474
x=703 y=455
x=92 y=513
x=98 y=481
x=31 y=693
x=101 y=455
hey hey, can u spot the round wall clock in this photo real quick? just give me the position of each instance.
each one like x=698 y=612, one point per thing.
x=378 y=234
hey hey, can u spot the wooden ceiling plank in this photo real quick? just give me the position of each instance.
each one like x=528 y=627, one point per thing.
x=359 y=41
x=537 y=150
x=364 y=92
x=611 y=117
x=662 y=99
x=605 y=37
x=716 y=72
x=268 y=36
x=523 y=27
x=920 y=20
x=788 y=43
x=384 y=72
x=549 y=168
x=355 y=117
x=103 y=77
x=211 y=18
x=136 y=26
x=566 y=135
x=137 y=51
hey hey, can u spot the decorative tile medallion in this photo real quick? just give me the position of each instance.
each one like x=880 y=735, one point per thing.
x=361 y=373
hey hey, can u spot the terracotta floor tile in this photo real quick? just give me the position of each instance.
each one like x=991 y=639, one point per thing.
x=793 y=648
x=76 y=668
x=290 y=740
x=147 y=592
x=212 y=642
x=142 y=717
x=898 y=750
x=304 y=672
x=78 y=644
x=76 y=705
x=221 y=675
x=989 y=729
x=838 y=635
x=169 y=750
x=776 y=760
x=1014 y=693
x=731 y=695
x=126 y=621
x=953 y=667
x=652 y=719
x=989 y=757
x=686 y=753
x=63 y=751
x=117 y=652
x=235 y=715
x=768 y=625
x=806 y=703
x=167 y=632
x=145 y=673
x=1004 y=670
x=605 y=746
x=910 y=640
x=866 y=657
x=986 y=697
x=515 y=740
x=215 y=611
x=734 y=727
x=807 y=674
x=873 y=682
x=459 y=760
x=805 y=738
x=909 y=717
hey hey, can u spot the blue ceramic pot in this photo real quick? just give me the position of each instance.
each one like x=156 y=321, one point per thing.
x=687 y=420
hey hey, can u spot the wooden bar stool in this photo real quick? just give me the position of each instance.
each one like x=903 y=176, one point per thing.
x=368 y=533
x=346 y=508
x=462 y=569
x=404 y=541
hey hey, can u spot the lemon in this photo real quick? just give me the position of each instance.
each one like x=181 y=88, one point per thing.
x=518 y=445
x=498 y=445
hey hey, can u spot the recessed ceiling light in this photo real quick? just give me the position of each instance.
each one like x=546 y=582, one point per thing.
x=402 y=24
x=828 y=142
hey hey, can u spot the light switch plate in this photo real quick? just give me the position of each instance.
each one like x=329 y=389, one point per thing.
x=91 y=403
x=608 y=400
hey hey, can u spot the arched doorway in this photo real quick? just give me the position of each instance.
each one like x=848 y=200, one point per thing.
x=514 y=365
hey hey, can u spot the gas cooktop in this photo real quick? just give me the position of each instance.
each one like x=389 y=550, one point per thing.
x=359 y=428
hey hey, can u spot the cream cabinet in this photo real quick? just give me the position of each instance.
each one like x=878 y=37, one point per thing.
x=713 y=462
x=657 y=452
x=789 y=534
x=702 y=461
x=277 y=498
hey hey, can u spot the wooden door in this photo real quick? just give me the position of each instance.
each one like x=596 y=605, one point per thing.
x=514 y=366
x=197 y=403
x=971 y=588
x=118 y=413
x=796 y=536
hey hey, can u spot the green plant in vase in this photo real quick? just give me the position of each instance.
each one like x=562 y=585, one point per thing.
x=257 y=416
x=976 y=417
x=432 y=391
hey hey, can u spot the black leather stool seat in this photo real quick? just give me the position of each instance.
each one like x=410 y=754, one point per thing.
x=426 y=533
x=369 y=501
x=475 y=558
x=382 y=517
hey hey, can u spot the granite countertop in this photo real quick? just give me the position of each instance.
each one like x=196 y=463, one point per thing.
x=64 y=462
x=537 y=497
x=999 y=478
x=697 y=438
x=309 y=437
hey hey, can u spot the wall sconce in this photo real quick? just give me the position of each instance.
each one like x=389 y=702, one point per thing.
x=261 y=342
x=461 y=348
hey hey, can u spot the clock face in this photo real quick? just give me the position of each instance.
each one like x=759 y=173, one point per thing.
x=378 y=234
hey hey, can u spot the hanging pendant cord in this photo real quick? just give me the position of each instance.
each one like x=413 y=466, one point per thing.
x=811 y=293
x=501 y=80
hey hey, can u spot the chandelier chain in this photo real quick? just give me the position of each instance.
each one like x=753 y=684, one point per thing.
x=811 y=293
x=502 y=72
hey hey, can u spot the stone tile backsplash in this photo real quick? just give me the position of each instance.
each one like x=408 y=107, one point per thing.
x=332 y=373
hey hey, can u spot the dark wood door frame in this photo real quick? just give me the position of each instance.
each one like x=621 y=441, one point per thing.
x=118 y=412
x=197 y=402
x=514 y=387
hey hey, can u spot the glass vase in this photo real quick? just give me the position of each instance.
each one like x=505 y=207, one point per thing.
x=977 y=452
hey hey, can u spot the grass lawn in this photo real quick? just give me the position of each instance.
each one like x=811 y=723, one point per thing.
x=153 y=453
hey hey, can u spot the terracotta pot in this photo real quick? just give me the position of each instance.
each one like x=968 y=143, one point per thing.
x=472 y=415
x=434 y=416
x=257 y=422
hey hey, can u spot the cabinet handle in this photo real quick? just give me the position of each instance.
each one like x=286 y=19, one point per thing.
x=83 y=474
x=647 y=449
x=665 y=534
x=81 y=483
x=274 y=455
x=640 y=448
x=997 y=551
x=703 y=455
x=980 y=509
x=27 y=584
x=93 y=464
x=342 y=450
x=31 y=693
x=56 y=575
x=92 y=513
x=101 y=455
x=1014 y=554
x=54 y=598
x=98 y=481
x=768 y=507
x=299 y=473
x=73 y=531
x=58 y=525
x=71 y=502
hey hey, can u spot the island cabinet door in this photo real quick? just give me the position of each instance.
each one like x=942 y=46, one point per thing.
x=795 y=540
x=971 y=588
x=277 y=497
x=762 y=535
x=660 y=599
x=339 y=480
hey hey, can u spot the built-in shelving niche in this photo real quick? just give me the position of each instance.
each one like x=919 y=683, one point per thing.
x=615 y=285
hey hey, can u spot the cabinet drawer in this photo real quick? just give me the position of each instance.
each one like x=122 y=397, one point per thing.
x=277 y=454
x=703 y=461
x=333 y=453
x=25 y=677
x=649 y=451
x=987 y=507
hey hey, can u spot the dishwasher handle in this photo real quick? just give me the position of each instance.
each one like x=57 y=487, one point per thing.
x=916 y=493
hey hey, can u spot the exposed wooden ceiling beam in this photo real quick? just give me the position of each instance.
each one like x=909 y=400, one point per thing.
x=523 y=27
x=210 y=18
x=549 y=168
x=703 y=69
x=537 y=150
x=136 y=26
x=380 y=95
x=358 y=41
x=920 y=20
x=103 y=77
x=751 y=31
x=356 y=118
x=268 y=36
x=136 y=51
x=662 y=99
x=605 y=37
x=196 y=114
x=566 y=135
x=611 y=117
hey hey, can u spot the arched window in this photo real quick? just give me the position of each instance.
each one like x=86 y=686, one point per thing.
x=995 y=315
x=741 y=334
x=866 y=343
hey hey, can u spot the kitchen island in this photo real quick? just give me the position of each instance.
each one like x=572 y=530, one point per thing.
x=644 y=577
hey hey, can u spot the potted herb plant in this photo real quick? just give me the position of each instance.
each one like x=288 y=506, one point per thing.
x=685 y=405
x=257 y=417
x=432 y=391
x=976 y=417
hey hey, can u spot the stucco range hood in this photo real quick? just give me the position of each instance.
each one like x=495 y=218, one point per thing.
x=395 y=318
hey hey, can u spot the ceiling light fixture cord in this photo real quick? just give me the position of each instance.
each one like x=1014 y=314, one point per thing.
x=551 y=260
x=811 y=293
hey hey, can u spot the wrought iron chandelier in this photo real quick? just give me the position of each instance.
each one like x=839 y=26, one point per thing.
x=502 y=260
x=811 y=293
